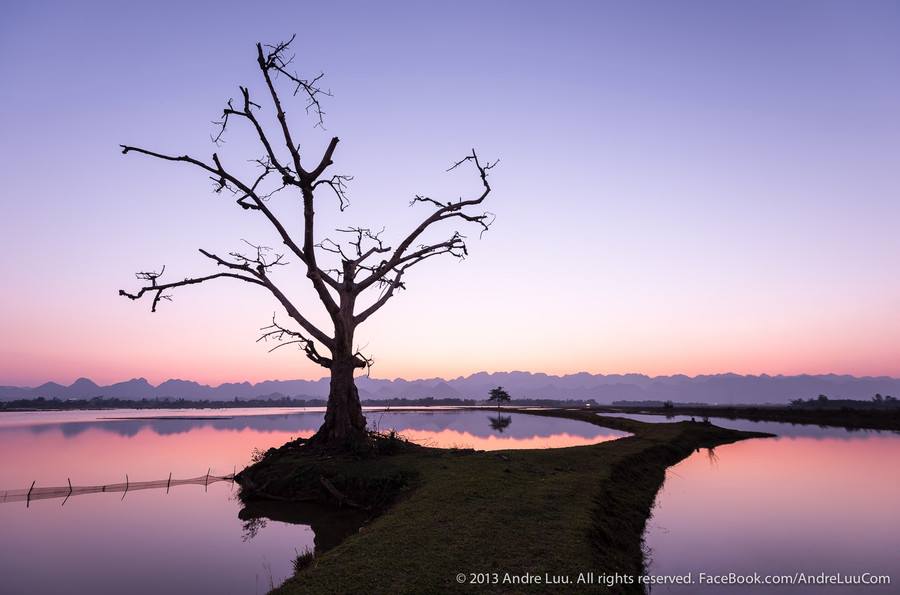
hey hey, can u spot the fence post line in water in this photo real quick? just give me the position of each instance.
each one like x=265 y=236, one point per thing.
x=69 y=479
x=68 y=490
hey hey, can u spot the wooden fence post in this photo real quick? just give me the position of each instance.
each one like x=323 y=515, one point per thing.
x=69 y=479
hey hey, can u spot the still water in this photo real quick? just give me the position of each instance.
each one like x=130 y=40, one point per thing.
x=813 y=500
x=190 y=539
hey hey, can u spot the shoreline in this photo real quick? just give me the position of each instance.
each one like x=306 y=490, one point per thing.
x=859 y=418
x=847 y=418
x=437 y=513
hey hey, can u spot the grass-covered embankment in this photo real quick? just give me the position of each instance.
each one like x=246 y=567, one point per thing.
x=851 y=418
x=558 y=512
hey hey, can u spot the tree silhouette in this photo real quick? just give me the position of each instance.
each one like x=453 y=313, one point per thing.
x=366 y=262
x=500 y=395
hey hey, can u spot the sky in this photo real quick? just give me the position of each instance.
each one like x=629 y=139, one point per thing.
x=691 y=187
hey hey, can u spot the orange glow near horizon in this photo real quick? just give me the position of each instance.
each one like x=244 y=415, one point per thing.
x=235 y=361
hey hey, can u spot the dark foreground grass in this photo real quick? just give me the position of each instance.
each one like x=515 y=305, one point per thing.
x=543 y=513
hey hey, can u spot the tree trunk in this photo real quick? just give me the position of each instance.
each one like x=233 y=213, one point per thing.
x=344 y=420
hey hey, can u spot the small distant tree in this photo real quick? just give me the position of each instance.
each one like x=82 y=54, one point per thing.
x=878 y=398
x=668 y=405
x=823 y=398
x=500 y=395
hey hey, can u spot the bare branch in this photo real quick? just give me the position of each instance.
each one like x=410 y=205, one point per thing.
x=285 y=336
x=260 y=272
x=157 y=289
x=318 y=276
x=247 y=113
x=365 y=235
x=325 y=161
x=392 y=285
x=261 y=261
x=329 y=245
x=443 y=212
x=257 y=266
x=275 y=60
x=338 y=184
x=363 y=361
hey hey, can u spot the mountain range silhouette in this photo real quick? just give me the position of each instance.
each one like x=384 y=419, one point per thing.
x=604 y=388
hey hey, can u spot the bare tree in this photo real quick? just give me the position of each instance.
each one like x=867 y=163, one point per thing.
x=367 y=264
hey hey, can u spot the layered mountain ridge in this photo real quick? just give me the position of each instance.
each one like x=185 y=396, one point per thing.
x=604 y=388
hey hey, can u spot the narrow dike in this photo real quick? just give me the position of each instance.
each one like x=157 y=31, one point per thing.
x=627 y=474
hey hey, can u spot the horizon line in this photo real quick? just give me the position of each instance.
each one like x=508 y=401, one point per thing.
x=458 y=377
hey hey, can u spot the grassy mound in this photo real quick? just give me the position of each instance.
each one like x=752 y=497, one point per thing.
x=368 y=479
x=502 y=514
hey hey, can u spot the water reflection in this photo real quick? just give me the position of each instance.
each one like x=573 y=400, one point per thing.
x=712 y=457
x=466 y=429
x=187 y=541
x=811 y=504
x=500 y=423
x=199 y=534
x=330 y=527
x=769 y=427
x=442 y=428
x=163 y=426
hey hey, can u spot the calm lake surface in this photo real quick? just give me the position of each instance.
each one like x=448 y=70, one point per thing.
x=191 y=539
x=812 y=500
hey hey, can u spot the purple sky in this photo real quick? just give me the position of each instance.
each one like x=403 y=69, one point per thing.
x=684 y=187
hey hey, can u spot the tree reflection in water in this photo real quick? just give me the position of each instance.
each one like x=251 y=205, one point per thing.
x=500 y=423
x=251 y=527
x=330 y=526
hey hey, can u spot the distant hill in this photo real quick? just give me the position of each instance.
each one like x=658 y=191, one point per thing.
x=716 y=388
